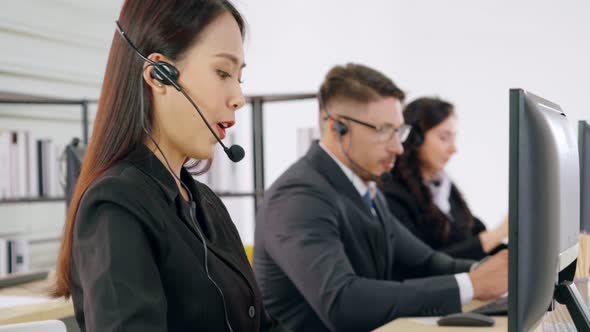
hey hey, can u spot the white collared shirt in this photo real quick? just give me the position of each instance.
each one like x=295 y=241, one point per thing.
x=361 y=186
x=463 y=280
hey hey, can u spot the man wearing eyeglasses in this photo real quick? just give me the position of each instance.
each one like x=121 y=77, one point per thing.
x=328 y=255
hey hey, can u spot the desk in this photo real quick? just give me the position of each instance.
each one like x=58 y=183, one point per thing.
x=60 y=309
x=56 y=309
x=557 y=320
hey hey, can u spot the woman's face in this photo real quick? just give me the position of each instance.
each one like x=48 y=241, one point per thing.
x=210 y=72
x=439 y=145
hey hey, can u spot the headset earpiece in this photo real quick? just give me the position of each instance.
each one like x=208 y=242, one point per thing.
x=340 y=127
x=416 y=137
x=163 y=69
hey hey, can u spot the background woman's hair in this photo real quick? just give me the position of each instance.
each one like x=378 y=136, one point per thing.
x=424 y=114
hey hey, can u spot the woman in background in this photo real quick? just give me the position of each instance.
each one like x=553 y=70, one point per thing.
x=145 y=246
x=422 y=196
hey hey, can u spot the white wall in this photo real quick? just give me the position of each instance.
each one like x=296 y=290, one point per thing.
x=469 y=52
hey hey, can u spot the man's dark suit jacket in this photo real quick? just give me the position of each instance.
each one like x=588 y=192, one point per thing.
x=325 y=262
x=138 y=263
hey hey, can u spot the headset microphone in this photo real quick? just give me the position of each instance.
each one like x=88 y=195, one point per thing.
x=168 y=74
x=235 y=152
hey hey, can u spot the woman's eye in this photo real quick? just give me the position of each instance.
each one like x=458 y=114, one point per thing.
x=223 y=74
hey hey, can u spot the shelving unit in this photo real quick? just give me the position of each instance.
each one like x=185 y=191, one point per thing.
x=57 y=102
x=256 y=102
x=32 y=200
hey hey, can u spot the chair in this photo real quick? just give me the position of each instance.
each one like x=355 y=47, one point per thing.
x=249 y=253
x=39 y=326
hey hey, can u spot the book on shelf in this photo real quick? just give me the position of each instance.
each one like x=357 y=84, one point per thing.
x=21 y=253
x=4 y=163
x=3 y=257
x=32 y=173
x=14 y=256
x=29 y=166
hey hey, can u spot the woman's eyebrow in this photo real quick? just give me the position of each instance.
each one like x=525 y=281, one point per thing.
x=231 y=58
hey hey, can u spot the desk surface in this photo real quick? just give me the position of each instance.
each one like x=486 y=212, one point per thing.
x=557 y=320
x=55 y=309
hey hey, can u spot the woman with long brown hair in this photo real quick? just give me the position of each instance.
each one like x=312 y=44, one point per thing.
x=145 y=246
x=423 y=197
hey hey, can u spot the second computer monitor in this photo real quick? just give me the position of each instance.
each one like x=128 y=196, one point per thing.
x=543 y=205
x=584 y=145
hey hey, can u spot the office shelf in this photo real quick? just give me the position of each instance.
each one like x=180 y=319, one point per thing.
x=32 y=200
x=256 y=102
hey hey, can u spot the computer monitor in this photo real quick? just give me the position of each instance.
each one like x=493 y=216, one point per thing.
x=544 y=207
x=74 y=154
x=584 y=146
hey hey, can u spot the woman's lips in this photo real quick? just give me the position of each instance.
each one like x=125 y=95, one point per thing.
x=222 y=126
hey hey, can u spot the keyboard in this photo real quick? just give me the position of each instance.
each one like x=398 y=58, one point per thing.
x=498 y=307
x=19 y=278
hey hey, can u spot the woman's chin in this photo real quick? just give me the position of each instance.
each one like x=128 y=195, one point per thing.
x=202 y=153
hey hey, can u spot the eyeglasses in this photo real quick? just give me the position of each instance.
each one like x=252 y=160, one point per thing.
x=385 y=132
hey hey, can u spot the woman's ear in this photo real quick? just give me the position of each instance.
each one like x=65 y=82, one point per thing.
x=155 y=84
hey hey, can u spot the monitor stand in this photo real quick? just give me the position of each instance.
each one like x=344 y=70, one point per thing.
x=567 y=294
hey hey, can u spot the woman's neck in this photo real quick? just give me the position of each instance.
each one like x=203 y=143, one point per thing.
x=170 y=158
x=428 y=174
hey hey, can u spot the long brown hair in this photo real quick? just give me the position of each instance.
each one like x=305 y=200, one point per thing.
x=424 y=114
x=168 y=27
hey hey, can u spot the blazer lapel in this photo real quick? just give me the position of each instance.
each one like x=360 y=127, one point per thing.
x=212 y=213
x=148 y=163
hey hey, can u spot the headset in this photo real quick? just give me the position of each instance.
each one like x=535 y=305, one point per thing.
x=341 y=128
x=168 y=74
x=416 y=138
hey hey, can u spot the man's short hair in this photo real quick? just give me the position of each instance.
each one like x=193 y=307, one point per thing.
x=357 y=83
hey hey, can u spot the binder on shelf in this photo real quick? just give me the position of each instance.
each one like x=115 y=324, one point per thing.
x=18 y=255
x=4 y=163
x=32 y=166
x=21 y=150
x=4 y=265
x=40 y=178
x=13 y=165
x=46 y=174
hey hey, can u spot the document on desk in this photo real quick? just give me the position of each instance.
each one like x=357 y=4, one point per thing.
x=8 y=301
x=426 y=320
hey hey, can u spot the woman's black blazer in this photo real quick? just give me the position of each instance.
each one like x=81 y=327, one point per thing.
x=138 y=263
